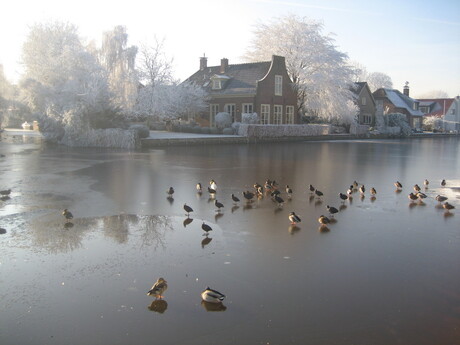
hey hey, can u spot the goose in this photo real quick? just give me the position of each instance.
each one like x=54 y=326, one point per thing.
x=318 y=193
x=170 y=191
x=398 y=185
x=5 y=192
x=323 y=220
x=67 y=214
x=448 y=206
x=218 y=204
x=158 y=288
x=443 y=183
x=206 y=228
x=332 y=210
x=212 y=296
x=440 y=198
x=294 y=218
x=188 y=209
x=235 y=198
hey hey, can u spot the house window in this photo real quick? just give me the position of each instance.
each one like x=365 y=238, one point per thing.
x=248 y=108
x=452 y=111
x=289 y=114
x=213 y=110
x=216 y=84
x=265 y=114
x=363 y=101
x=366 y=119
x=278 y=115
x=230 y=108
x=278 y=85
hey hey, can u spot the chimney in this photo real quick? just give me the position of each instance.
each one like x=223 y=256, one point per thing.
x=203 y=62
x=406 y=89
x=223 y=65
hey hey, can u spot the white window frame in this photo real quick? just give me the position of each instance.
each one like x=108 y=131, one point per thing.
x=216 y=84
x=278 y=85
x=277 y=114
x=248 y=108
x=363 y=100
x=231 y=109
x=290 y=114
x=265 y=114
x=213 y=111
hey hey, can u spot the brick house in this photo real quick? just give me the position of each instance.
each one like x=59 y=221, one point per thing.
x=393 y=101
x=366 y=104
x=261 y=87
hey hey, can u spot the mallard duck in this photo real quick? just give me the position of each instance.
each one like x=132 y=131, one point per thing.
x=362 y=189
x=355 y=185
x=426 y=183
x=288 y=191
x=213 y=184
x=5 y=192
x=279 y=200
x=211 y=191
x=235 y=198
x=350 y=191
x=212 y=296
x=332 y=210
x=417 y=188
x=206 y=228
x=67 y=214
x=398 y=185
x=293 y=218
x=421 y=195
x=412 y=197
x=188 y=209
x=343 y=197
x=440 y=198
x=248 y=195
x=443 y=183
x=218 y=204
x=448 y=206
x=318 y=193
x=199 y=188
x=373 y=191
x=323 y=220
x=170 y=191
x=158 y=288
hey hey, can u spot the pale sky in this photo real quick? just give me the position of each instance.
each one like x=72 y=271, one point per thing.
x=415 y=41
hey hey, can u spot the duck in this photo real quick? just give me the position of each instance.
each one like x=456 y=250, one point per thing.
x=218 y=204
x=188 y=209
x=421 y=195
x=311 y=188
x=323 y=220
x=206 y=228
x=212 y=296
x=288 y=191
x=67 y=214
x=318 y=193
x=426 y=183
x=2 y=231
x=278 y=200
x=213 y=185
x=158 y=288
x=362 y=189
x=412 y=197
x=235 y=199
x=332 y=210
x=398 y=185
x=294 y=219
x=443 y=183
x=211 y=190
x=248 y=195
x=448 y=206
x=199 y=188
x=417 y=188
x=170 y=191
x=343 y=197
x=373 y=191
x=350 y=191
x=355 y=185
x=5 y=192
x=440 y=198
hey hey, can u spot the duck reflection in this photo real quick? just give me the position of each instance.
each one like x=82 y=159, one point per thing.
x=373 y=198
x=277 y=209
x=247 y=207
x=187 y=221
x=318 y=202
x=68 y=225
x=332 y=220
x=213 y=306
x=448 y=214
x=170 y=199
x=5 y=198
x=217 y=216
x=293 y=229
x=323 y=228
x=158 y=306
x=311 y=198
x=205 y=241
x=234 y=208
x=342 y=207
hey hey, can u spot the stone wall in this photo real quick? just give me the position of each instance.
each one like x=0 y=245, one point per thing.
x=276 y=131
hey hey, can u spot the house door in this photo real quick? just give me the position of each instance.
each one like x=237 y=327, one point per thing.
x=230 y=108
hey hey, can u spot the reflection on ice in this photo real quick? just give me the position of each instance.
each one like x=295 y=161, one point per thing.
x=213 y=306
x=158 y=306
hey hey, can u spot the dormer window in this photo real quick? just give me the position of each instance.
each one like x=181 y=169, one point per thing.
x=217 y=84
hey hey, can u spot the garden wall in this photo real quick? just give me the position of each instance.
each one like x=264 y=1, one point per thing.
x=276 y=131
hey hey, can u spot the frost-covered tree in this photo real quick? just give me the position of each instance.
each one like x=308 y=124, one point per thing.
x=223 y=120
x=119 y=60
x=321 y=75
x=154 y=67
x=375 y=80
x=434 y=94
x=63 y=82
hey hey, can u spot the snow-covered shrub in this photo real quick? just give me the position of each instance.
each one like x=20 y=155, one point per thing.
x=357 y=129
x=142 y=130
x=399 y=120
x=432 y=123
x=236 y=127
x=223 y=120
x=250 y=118
x=111 y=137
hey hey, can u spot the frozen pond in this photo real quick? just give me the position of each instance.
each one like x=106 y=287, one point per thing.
x=385 y=272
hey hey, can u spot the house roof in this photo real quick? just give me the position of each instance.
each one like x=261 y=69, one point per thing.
x=242 y=78
x=400 y=100
x=438 y=106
